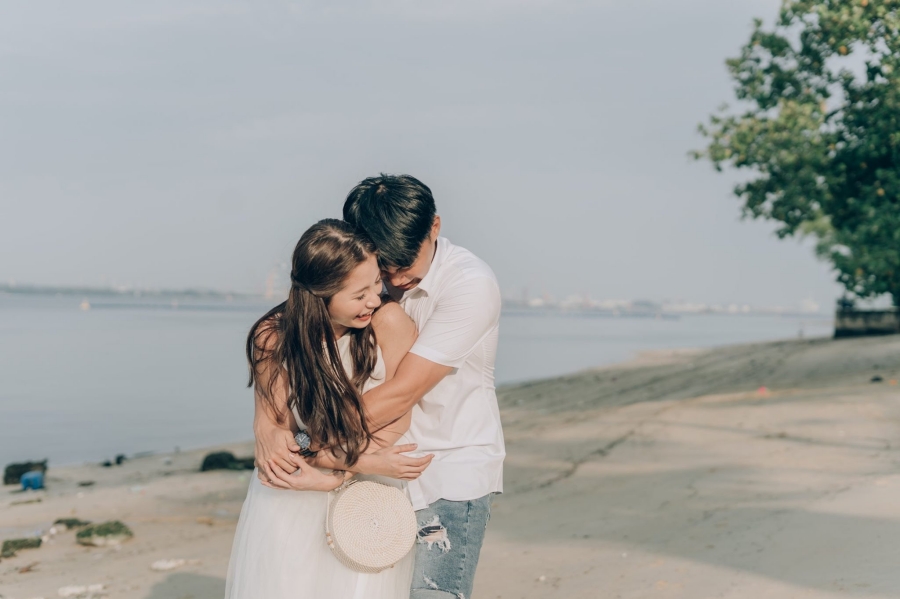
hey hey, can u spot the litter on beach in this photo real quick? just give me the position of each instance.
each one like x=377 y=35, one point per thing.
x=83 y=591
x=33 y=480
x=164 y=565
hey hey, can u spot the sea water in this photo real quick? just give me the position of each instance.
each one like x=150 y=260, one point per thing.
x=85 y=379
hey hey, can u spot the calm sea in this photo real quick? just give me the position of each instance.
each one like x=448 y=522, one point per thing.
x=133 y=375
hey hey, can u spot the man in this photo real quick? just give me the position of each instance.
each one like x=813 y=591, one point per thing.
x=447 y=379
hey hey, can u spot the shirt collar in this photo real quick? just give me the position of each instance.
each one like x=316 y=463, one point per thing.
x=427 y=284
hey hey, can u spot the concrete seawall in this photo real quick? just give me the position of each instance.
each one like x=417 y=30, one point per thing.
x=858 y=323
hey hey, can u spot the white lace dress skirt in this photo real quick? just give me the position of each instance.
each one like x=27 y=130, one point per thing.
x=279 y=552
x=279 y=549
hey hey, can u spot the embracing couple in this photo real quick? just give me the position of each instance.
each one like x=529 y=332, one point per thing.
x=378 y=366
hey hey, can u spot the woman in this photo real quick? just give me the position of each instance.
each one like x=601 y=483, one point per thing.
x=313 y=356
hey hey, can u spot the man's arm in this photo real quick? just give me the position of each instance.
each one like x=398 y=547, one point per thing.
x=396 y=334
x=461 y=319
x=389 y=402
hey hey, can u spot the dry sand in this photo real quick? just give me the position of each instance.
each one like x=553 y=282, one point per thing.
x=671 y=476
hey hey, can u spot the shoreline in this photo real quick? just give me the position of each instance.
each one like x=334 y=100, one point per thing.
x=641 y=358
x=187 y=389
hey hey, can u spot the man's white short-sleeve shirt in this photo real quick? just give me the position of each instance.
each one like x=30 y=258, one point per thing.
x=456 y=308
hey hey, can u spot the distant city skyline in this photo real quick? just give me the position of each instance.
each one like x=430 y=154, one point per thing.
x=680 y=305
x=273 y=291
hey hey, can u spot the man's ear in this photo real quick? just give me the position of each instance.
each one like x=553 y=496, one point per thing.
x=436 y=227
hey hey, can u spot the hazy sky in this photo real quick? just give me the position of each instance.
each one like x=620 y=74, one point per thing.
x=182 y=143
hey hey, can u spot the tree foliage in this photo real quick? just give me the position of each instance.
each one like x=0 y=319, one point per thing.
x=819 y=134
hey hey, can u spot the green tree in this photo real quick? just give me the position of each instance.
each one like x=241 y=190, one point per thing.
x=817 y=131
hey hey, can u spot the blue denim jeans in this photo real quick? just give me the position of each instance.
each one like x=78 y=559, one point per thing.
x=448 y=546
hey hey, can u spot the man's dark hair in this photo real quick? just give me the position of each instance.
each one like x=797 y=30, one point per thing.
x=396 y=212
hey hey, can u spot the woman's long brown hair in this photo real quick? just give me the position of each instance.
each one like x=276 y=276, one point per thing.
x=304 y=350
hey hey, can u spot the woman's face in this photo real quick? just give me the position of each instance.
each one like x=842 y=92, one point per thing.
x=352 y=306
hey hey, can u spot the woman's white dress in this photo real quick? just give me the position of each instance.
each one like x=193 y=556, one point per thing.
x=279 y=549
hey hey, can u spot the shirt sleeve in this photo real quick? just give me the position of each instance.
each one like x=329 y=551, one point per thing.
x=462 y=317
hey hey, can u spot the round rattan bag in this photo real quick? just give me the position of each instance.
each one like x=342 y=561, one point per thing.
x=370 y=526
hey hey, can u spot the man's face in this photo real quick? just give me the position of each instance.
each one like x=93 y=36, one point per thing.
x=404 y=279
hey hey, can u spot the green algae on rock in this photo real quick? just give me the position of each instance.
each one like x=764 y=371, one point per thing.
x=113 y=532
x=71 y=523
x=225 y=460
x=13 y=472
x=10 y=546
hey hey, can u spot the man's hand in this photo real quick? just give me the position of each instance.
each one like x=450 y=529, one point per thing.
x=391 y=462
x=275 y=444
x=304 y=478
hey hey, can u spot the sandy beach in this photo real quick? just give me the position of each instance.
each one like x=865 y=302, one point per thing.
x=767 y=470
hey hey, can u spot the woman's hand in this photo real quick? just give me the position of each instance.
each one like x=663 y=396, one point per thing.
x=306 y=478
x=275 y=444
x=390 y=462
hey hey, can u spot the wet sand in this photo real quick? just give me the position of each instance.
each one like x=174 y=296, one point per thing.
x=674 y=475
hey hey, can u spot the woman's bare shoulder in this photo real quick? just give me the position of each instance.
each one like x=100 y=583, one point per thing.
x=265 y=337
x=396 y=334
x=390 y=316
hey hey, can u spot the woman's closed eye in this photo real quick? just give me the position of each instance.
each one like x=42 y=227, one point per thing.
x=364 y=293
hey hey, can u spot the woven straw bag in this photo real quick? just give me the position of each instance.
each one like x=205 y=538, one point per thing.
x=369 y=526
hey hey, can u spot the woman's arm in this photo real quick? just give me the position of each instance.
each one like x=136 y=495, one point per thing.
x=271 y=419
x=279 y=467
